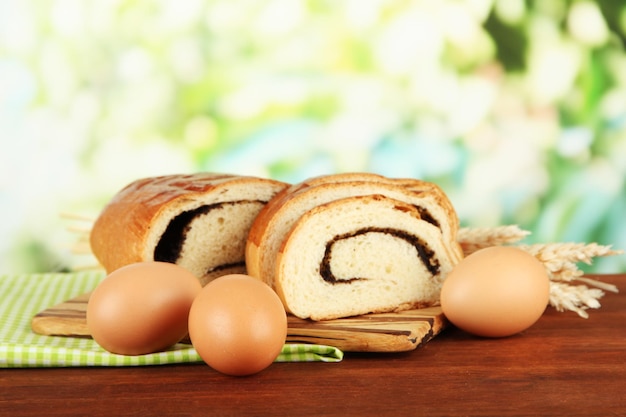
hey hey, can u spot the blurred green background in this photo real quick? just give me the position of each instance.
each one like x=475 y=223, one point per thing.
x=517 y=108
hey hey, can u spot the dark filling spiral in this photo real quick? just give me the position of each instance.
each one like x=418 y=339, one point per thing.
x=426 y=216
x=172 y=240
x=426 y=255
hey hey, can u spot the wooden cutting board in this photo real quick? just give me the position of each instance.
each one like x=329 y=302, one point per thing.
x=388 y=332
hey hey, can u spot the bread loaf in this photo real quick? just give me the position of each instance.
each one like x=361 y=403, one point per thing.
x=199 y=221
x=281 y=213
x=317 y=203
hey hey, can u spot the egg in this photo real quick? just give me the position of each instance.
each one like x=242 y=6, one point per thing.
x=238 y=325
x=142 y=307
x=496 y=292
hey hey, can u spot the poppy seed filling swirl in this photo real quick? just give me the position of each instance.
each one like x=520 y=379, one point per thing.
x=426 y=255
x=172 y=240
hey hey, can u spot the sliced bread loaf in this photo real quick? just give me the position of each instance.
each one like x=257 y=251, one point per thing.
x=279 y=216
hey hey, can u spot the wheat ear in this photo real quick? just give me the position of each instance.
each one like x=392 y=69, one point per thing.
x=560 y=261
x=576 y=298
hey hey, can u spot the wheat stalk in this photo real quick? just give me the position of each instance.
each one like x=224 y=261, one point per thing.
x=558 y=255
x=81 y=247
x=560 y=260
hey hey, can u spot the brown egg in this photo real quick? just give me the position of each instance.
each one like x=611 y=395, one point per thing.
x=496 y=292
x=142 y=308
x=238 y=325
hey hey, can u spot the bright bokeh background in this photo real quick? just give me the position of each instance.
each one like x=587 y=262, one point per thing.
x=516 y=108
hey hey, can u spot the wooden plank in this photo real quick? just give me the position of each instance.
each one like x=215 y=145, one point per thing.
x=386 y=332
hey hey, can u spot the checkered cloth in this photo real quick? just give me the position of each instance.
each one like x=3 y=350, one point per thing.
x=23 y=296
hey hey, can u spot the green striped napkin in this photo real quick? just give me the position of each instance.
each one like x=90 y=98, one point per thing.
x=23 y=296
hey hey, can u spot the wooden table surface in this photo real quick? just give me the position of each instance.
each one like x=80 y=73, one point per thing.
x=564 y=365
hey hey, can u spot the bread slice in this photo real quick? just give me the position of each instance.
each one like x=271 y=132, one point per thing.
x=199 y=221
x=358 y=255
x=277 y=218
